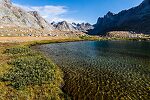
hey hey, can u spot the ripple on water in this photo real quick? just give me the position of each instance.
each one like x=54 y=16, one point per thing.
x=103 y=70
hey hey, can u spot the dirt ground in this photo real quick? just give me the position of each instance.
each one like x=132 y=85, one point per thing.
x=27 y=39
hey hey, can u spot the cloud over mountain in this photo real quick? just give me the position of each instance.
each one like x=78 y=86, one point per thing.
x=50 y=12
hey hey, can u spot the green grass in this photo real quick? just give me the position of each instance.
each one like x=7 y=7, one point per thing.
x=88 y=37
x=30 y=75
x=18 y=50
x=30 y=71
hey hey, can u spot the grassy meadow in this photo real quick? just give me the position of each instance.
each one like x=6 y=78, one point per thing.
x=28 y=75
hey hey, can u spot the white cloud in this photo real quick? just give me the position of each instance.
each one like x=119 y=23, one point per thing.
x=50 y=12
x=70 y=20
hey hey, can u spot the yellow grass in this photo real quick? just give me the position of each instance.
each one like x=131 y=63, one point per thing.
x=31 y=92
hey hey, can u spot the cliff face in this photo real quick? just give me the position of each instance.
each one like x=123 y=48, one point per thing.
x=84 y=27
x=42 y=22
x=11 y=15
x=65 y=26
x=5 y=1
x=136 y=19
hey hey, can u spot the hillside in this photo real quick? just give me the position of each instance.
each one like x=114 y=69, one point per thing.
x=14 y=16
x=136 y=19
x=15 y=21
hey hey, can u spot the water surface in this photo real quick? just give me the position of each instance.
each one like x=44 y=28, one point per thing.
x=103 y=69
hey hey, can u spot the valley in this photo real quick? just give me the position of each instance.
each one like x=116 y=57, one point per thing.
x=64 y=60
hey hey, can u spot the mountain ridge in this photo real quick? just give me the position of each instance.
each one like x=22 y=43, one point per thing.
x=135 y=19
x=13 y=16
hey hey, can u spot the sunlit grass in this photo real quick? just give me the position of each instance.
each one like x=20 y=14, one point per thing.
x=28 y=75
x=17 y=60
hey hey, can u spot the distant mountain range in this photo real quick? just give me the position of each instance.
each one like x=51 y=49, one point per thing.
x=136 y=19
x=65 y=26
x=12 y=16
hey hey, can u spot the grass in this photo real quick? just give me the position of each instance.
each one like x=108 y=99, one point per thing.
x=30 y=71
x=88 y=37
x=28 y=75
x=85 y=83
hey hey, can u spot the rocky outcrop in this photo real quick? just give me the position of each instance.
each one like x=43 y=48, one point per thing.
x=84 y=27
x=11 y=15
x=136 y=19
x=42 y=22
x=5 y=1
x=65 y=26
x=124 y=34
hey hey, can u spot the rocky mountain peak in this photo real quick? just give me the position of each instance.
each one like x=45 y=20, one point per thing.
x=63 y=23
x=109 y=14
x=84 y=27
x=11 y=15
x=64 y=26
x=5 y=1
x=135 y=19
x=35 y=13
x=146 y=2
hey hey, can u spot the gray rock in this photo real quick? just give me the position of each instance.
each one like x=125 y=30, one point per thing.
x=5 y=1
x=136 y=19
x=84 y=27
x=64 y=26
x=11 y=15
x=42 y=22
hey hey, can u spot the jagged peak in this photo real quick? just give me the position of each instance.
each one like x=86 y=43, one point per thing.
x=6 y=1
x=145 y=3
x=109 y=14
x=63 y=22
x=35 y=13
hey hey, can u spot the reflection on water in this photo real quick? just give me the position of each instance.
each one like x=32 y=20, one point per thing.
x=103 y=69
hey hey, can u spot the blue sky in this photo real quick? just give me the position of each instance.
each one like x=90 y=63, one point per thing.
x=76 y=10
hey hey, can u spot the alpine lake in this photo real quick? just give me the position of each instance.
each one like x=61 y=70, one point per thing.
x=103 y=70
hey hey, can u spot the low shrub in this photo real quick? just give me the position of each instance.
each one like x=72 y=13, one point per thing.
x=85 y=37
x=18 y=50
x=30 y=71
x=31 y=75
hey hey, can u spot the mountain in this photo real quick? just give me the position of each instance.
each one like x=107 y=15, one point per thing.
x=84 y=27
x=65 y=26
x=136 y=19
x=13 y=16
x=42 y=22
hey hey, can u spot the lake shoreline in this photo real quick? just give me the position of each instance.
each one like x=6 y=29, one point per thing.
x=41 y=42
x=75 y=76
x=62 y=39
